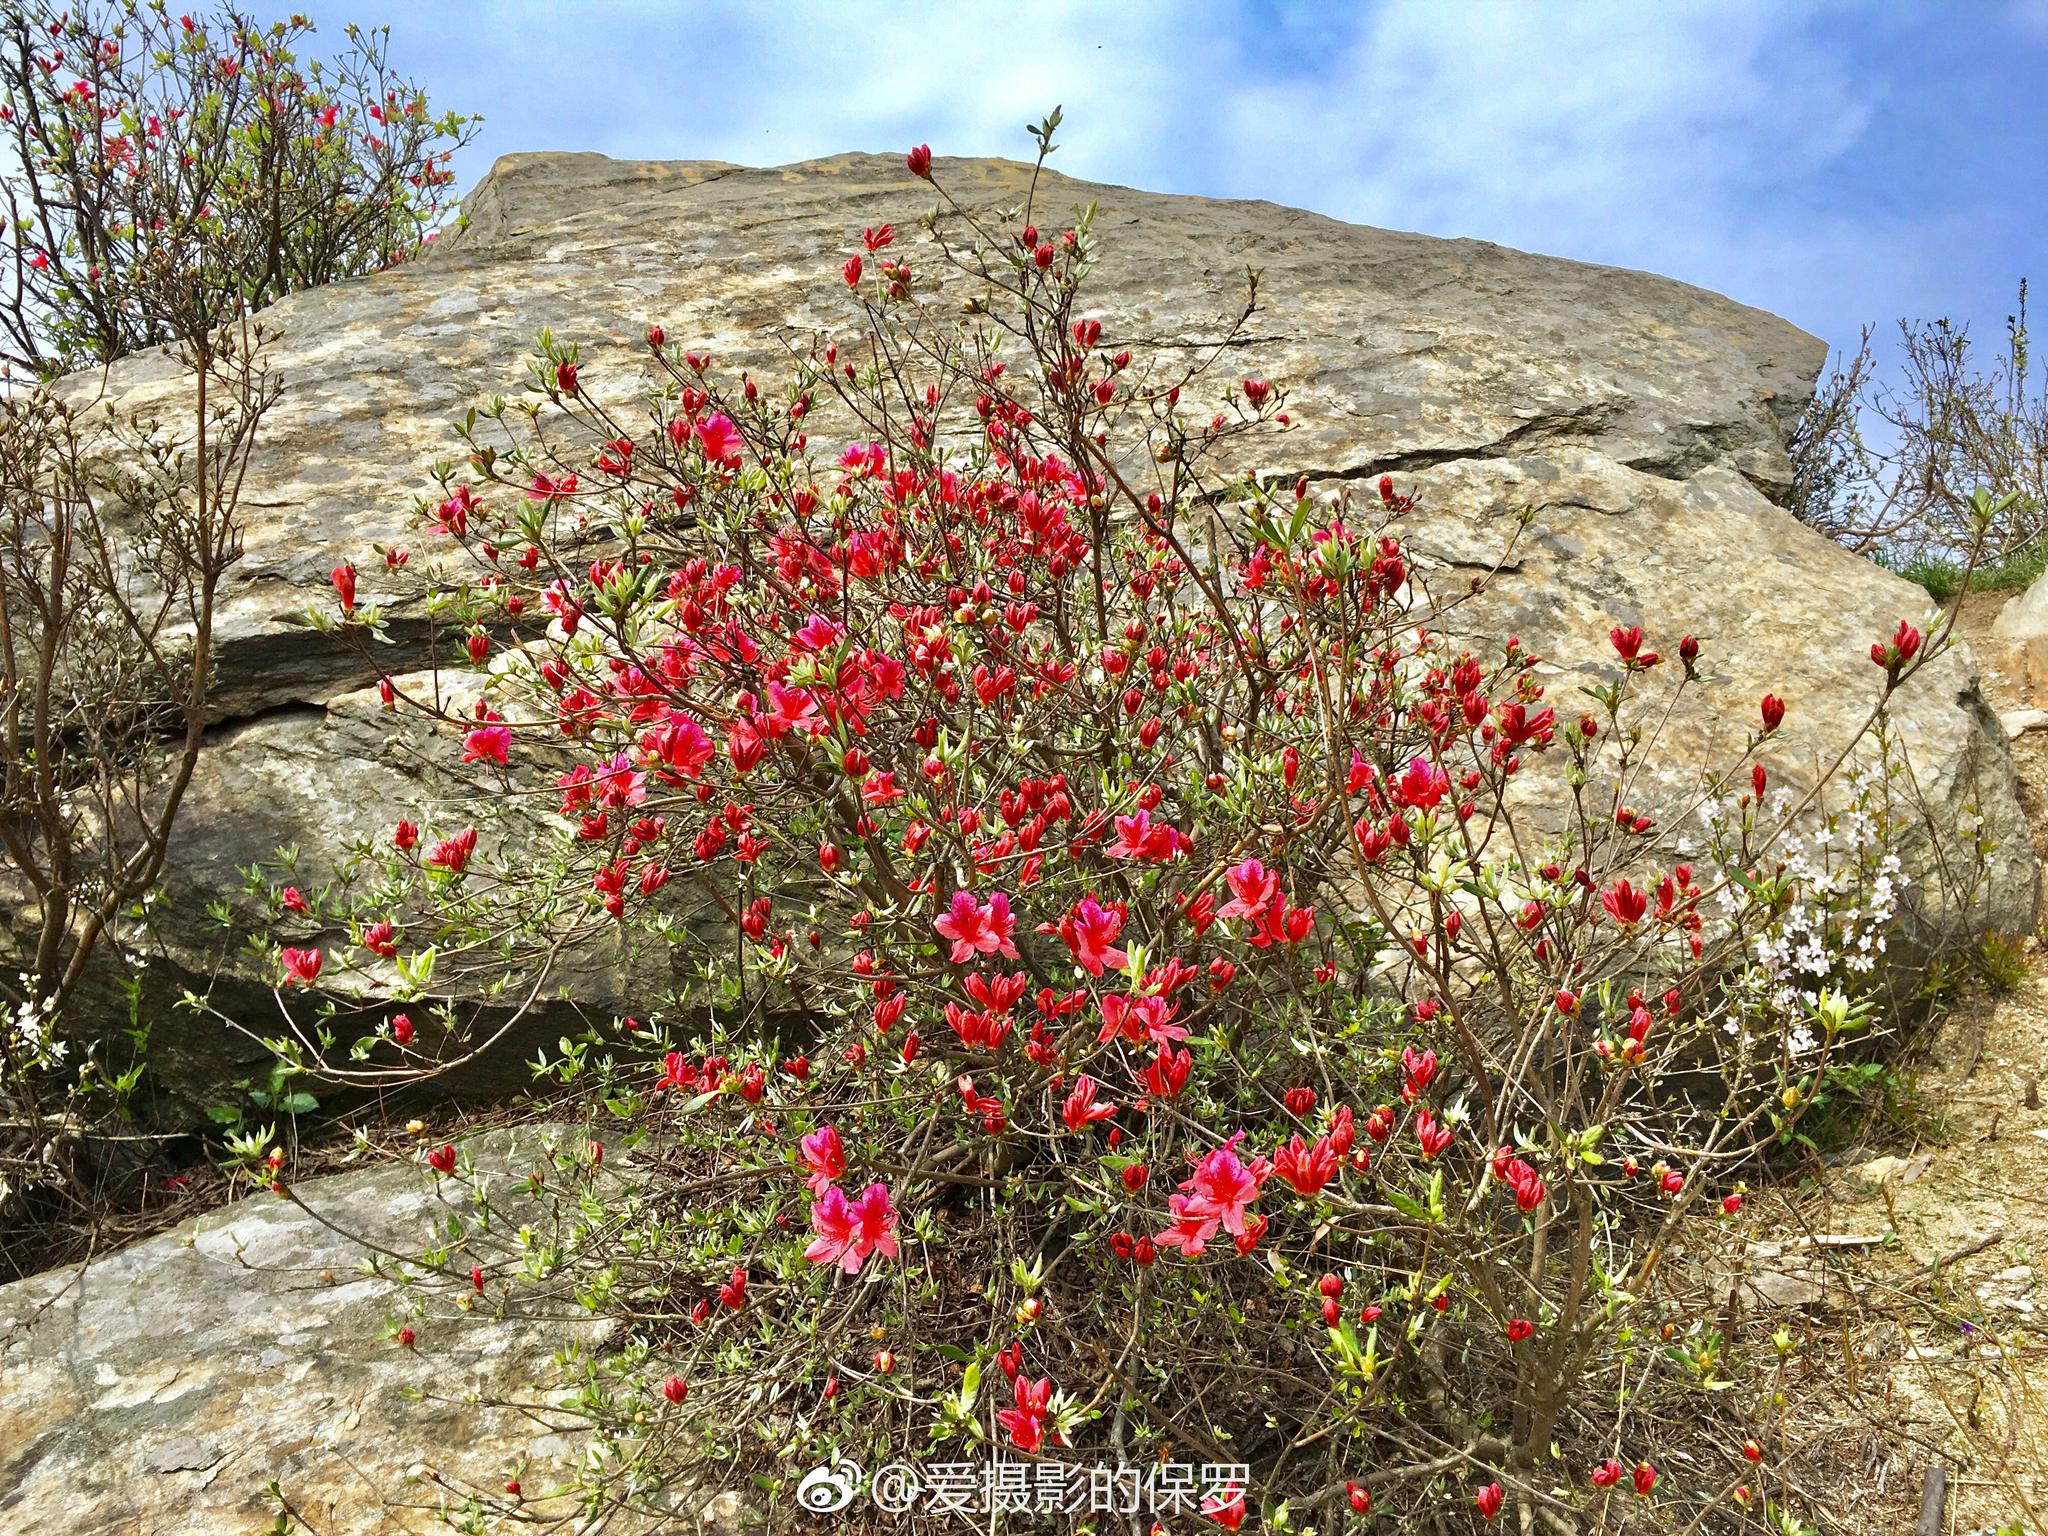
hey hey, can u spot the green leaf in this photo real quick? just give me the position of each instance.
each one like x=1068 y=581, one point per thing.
x=1406 y=1206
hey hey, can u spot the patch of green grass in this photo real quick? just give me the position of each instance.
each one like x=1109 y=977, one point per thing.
x=2002 y=961
x=1943 y=577
x=1864 y=1103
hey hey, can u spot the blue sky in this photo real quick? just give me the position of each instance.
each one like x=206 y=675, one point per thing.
x=1834 y=162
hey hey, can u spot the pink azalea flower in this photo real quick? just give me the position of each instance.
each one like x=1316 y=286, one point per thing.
x=682 y=744
x=825 y=1158
x=1253 y=888
x=676 y=1074
x=1281 y=924
x=1139 y=1019
x=1090 y=931
x=1432 y=1135
x=1026 y=1421
x=818 y=634
x=492 y=742
x=850 y=1230
x=976 y=929
x=620 y=783
x=548 y=489
x=721 y=440
x=1191 y=1229
x=1421 y=785
x=452 y=853
x=1080 y=1109
x=1137 y=837
x=1226 y=1507
x=1223 y=1186
x=1307 y=1167
x=795 y=710
x=301 y=965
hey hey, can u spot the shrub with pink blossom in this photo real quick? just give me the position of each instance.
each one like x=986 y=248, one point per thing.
x=1143 y=990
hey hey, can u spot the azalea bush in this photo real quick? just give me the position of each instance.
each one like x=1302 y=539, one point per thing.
x=1122 y=983
x=158 y=162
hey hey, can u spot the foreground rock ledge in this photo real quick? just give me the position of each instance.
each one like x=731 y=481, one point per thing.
x=1641 y=419
x=156 y=1392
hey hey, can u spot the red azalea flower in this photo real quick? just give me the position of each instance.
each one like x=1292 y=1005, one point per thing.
x=302 y=966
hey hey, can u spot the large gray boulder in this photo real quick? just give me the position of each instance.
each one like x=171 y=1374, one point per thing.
x=1643 y=421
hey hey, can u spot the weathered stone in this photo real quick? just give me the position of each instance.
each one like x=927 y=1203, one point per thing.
x=157 y=1391
x=320 y=779
x=1642 y=420
x=2023 y=624
x=1782 y=1290
x=1881 y=1171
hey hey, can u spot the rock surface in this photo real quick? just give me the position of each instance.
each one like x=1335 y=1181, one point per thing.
x=156 y=1392
x=1641 y=420
x=2023 y=624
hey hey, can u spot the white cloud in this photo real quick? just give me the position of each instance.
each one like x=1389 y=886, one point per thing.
x=1703 y=140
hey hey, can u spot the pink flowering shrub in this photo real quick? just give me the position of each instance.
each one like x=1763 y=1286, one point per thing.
x=1144 y=990
x=169 y=171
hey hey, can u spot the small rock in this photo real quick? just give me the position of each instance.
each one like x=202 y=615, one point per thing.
x=1884 y=1170
x=2018 y=722
x=183 y=1453
x=1782 y=1290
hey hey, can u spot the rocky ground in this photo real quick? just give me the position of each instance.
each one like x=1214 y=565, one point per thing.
x=135 y=1401
x=1922 y=1342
